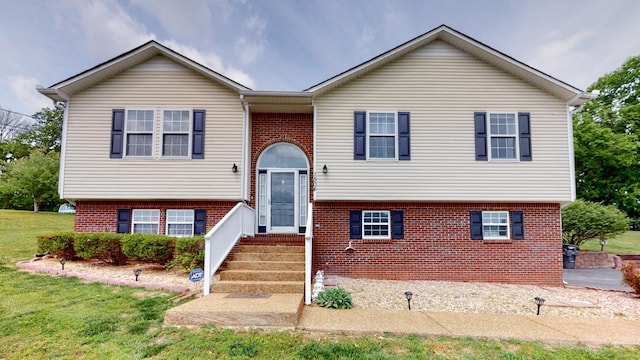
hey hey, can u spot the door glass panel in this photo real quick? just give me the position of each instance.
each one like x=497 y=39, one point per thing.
x=282 y=199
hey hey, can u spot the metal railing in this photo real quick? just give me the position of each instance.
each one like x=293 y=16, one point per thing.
x=308 y=251
x=219 y=241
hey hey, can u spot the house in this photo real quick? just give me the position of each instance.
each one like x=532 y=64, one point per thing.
x=440 y=159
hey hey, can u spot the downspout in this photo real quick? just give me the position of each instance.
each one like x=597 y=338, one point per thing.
x=63 y=145
x=245 y=142
x=572 y=166
x=315 y=146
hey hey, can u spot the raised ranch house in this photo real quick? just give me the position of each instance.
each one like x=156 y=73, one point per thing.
x=441 y=159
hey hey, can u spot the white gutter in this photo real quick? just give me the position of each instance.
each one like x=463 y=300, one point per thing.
x=245 y=142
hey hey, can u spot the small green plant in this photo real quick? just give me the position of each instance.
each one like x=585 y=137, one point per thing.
x=631 y=277
x=60 y=244
x=335 y=298
x=189 y=253
x=243 y=349
x=148 y=247
x=103 y=246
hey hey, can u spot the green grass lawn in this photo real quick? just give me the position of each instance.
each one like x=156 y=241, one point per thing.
x=50 y=317
x=627 y=243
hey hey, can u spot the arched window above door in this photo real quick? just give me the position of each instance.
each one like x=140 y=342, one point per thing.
x=283 y=156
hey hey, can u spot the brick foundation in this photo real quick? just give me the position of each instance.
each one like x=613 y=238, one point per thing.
x=437 y=245
x=101 y=216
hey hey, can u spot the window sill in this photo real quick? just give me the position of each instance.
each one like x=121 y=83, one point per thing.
x=497 y=241
x=375 y=241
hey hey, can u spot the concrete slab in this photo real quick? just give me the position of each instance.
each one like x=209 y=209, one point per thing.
x=605 y=279
x=596 y=331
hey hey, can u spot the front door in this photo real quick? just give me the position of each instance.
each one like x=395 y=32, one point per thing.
x=283 y=199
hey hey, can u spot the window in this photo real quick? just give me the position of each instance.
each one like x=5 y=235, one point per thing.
x=146 y=221
x=495 y=225
x=504 y=135
x=381 y=135
x=180 y=222
x=175 y=133
x=139 y=133
x=375 y=225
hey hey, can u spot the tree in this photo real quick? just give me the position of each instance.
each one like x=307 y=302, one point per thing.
x=584 y=220
x=606 y=141
x=35 y=177
x=46 y=133
x=11 y=125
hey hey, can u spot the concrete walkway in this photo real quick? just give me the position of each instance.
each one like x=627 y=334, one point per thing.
x=596 y=331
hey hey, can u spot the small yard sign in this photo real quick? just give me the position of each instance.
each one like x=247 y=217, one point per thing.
x=196 y=275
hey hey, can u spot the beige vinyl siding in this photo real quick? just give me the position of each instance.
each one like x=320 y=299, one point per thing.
x=442 y=89
x=159 y=84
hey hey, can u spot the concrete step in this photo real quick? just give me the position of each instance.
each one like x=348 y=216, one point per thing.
x=271 y=249
x=273 y=287
x=265 y=311
x=265 y=265
x=261 y=275
x=247 y=256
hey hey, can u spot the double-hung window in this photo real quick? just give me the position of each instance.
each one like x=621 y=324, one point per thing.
x=376 y=225
x=176 y=133
x=495 y=225
x=180 y=222
x=503 y=132
x=382 y=135
x=139 y=133
x=146 y=221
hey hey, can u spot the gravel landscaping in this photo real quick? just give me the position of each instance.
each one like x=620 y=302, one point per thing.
x=439 y=296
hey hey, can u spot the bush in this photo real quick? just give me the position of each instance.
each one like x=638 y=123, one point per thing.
x=336 y=298
x=102 y=246
x=148 y=247
x=631 y=277
x=584 y=220
x=189 y=253
x=60 y=245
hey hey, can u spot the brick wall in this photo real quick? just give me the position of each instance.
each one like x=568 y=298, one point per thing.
x=595 y=260
x=437 y=245
x=268 y=129
x=100 y=216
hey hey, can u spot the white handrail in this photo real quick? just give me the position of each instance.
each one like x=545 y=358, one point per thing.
x=308 y=251
x=219 y=241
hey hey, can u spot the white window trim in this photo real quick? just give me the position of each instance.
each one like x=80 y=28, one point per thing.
x=490 y=136
x=134 y=222
x=388 y=236
x=192 y=223
x=189 y=135
x=395 y=135
x=126 y=133
x=508 y=224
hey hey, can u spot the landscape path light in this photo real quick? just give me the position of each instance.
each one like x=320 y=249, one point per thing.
x=539 y=301
x=137 y=272
x=62 y=261
x=408 y=295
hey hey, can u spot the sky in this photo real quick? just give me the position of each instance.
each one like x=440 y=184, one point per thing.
x=292 y=45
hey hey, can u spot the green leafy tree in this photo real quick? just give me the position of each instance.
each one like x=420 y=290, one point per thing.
x=584 y=220
x=34 y=177
x=46 y=133
x=606 y=141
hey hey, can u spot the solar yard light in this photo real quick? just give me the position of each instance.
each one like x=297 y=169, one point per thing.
x=62 y=261
x=137 y=272
x=408 y=294
x=539 y=301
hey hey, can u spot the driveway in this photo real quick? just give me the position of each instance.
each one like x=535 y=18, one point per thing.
x=606 y=279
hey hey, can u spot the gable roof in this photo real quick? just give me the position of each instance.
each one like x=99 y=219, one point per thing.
x=62 y=90
x=572 y=95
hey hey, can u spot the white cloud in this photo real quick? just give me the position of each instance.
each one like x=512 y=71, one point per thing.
x=250 y=47
x=186 y=19
x=24 y=90
x=103 y=27
x=212 y=61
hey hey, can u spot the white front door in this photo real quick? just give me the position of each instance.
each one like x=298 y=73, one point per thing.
x=282 y=205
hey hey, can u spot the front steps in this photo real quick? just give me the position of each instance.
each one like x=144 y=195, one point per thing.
x=261 y=287
x=263 y=269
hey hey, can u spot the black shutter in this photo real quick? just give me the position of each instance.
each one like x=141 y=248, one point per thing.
x=197 y=150
x=117 y=133
x=359 y=135
x=397 y=224
x=480 y=120
x=525 y=136
x=476 y=225
x=199 y=221
x=517 y=225
x=355 y=224
x=123 y=221
x=404 y=138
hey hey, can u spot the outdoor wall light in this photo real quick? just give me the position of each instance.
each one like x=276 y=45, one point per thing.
x=409 y=295
x=324 y=169
x=62 y=261
x=234 y=168
x=137 y=272
x=539 y=301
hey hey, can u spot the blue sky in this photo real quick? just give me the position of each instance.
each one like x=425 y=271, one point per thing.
x=294 y=44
